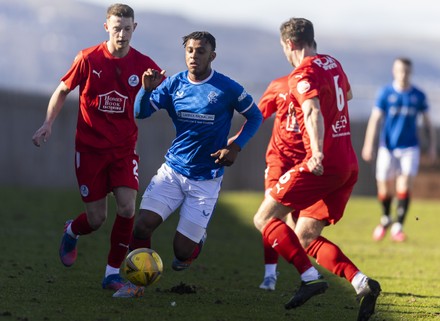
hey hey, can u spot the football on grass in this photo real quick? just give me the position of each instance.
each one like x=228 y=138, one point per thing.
x=142 y=267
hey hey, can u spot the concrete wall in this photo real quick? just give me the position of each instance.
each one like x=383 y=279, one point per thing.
x=23 y=164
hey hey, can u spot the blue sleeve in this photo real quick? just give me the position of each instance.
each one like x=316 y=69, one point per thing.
x=142 y=106
x=254 y=118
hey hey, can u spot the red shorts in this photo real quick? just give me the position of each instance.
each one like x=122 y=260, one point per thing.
x=320 y=197
x=99 y=173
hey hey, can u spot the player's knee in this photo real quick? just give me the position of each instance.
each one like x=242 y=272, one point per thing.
x=259 y=222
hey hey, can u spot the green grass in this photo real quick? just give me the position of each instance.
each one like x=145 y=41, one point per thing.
x=35 y=286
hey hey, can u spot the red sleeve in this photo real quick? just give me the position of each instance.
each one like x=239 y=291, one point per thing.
x=77 y=73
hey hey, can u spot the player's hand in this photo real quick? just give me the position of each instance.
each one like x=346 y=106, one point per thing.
x=43 y=133
x=367 y=154
x=226 y=156
x=152 y=78
x=315 y=164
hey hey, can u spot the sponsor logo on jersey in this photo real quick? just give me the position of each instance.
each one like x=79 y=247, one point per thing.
x=179 y=94
x=303 y=86
x=325 y=62
x=112 y=102
x=339 y=127
x=196 y=118
x=84 y=190
x=133 y=80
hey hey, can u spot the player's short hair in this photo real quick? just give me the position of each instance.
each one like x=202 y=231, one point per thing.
x=299 y=30
x=406 y=61
x=120 y=10
x=199 y=35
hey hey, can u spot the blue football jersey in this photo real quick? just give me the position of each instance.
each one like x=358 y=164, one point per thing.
x=202 y=114
x=400 y=109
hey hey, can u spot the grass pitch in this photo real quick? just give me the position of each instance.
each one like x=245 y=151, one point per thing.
x=34 y=285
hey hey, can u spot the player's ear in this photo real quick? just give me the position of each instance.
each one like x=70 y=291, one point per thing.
x=213 y=55
x=106 y=26
x=134 y=26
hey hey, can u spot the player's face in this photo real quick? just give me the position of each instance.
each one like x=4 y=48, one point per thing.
x=198 y=58
x=120 y=30
x=287 y=51
x=401 y=73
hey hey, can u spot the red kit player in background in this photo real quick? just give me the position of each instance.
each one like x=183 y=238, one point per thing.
x=109 y=77
x=318 y=188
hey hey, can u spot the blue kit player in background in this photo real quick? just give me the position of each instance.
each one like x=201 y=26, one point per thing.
x=395 y=114
x=201 y=102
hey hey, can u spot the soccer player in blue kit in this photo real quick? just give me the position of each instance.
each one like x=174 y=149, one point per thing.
x=201 y=102
x=397 y=106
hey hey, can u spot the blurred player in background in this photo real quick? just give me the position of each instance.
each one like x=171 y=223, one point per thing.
x=318 y=188
x=108 y=76
x=395 y=115
x=201 y=103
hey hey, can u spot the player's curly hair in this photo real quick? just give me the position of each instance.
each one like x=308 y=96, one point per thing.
x=199 y=35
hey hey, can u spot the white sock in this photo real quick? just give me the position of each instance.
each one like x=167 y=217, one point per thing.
x=69 y=231
x=359 y=281
x=270 y=270
x=110 y=270
x=310 y=275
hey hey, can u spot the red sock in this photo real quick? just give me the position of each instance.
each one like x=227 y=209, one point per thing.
x=286 y=243
x=119 y=240
x=270 y=255
x=81 y=226
x=331 y=257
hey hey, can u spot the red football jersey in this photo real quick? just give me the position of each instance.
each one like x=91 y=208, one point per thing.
x=322 y=76
x=107 y=89
x=285 y=145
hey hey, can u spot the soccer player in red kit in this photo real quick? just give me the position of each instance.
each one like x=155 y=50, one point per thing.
x=284 y=151
x=109 y=77
x=320 y=186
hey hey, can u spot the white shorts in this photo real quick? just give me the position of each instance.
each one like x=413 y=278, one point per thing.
x=402 y=161
x=169 y=190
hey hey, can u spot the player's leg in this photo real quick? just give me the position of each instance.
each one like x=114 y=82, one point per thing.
x=409 y=163
x=386 y=166
x=284 y=240
x=195 y=214
x=91 y=175
x=120 y=236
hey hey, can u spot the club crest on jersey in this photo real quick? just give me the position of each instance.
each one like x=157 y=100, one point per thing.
x=303 y=86
x=84 y=190
x=212 y=97
x=133 y=80
x=112 y=102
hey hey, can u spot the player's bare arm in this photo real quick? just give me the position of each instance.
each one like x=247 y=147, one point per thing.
x=56 y=103
x=226 y=156
x=371 y=133
x=314 y=123
x=152 y=78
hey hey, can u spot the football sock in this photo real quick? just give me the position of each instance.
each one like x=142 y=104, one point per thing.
x=80 y=225
x=109 y=270
x=385 y=200
x=403 y=200
x=330 y=256
x=270 y=255
x=119 y=240
x=358 y=282
x=310 y=275
x=286 y=243
x=270 y=270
